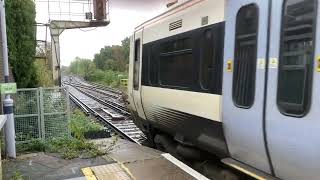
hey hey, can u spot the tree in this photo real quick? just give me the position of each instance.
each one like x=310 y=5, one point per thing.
x=126 y=49
x=21 y=30
x=82 y=67
x=114 y=57
x=101 y=58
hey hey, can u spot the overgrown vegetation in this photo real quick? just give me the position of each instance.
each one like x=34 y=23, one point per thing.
x=108 y=67
x=43 y=73
x=21 y=31
x=80 y=124
x=17 y=176
x=68 y=147
x=108 y=77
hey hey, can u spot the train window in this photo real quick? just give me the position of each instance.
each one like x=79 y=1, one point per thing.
x=207 y=58
x=177 y=63
x=243 y=90
x=153 y=65
x=136 y=70
x=296 y=56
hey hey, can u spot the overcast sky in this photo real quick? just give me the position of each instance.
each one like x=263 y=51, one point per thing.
x=125 y=15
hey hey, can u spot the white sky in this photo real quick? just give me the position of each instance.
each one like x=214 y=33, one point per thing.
x=125 y=15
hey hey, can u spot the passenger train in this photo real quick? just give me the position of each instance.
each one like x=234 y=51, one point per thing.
x=238 y=79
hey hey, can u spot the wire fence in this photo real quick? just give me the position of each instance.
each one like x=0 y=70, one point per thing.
x=41 y=113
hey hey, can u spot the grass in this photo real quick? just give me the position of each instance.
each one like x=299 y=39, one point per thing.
x=108 y=78
x=80 y=124
x=68 y=147
x=17 y=176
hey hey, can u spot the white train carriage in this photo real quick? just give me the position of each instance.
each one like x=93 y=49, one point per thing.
x=262 y=55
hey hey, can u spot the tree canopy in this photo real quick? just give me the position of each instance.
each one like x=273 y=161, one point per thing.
x=21 y=32
x=113 y=57
x=82 y=67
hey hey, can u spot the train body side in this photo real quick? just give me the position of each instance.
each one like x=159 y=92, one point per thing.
x=269 y=58
x=190 y=113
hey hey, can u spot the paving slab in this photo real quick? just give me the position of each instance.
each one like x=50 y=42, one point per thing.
x=136 y=162
x=40 y=166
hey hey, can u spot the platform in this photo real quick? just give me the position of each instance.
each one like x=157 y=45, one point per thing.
x=124 y=161
x=135 y=162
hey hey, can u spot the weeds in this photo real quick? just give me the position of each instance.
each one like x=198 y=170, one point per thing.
x=68 y=147
x=112 y=144
x=80 y=124
x=17 y=176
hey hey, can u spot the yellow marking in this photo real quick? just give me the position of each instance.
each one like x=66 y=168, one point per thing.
x=318 y=63
x=273 y=63
x=127 y=171
x=88 y=173
x=124 y=168
x=124 y=82
x=261 y=63
x=247 y=172
x=229 y=66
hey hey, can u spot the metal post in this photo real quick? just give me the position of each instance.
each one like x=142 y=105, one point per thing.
x=9 y=129
x=68 y=107
x=42 y=120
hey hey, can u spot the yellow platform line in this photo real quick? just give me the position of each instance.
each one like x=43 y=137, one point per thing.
x=127 y=171
x=88 y=173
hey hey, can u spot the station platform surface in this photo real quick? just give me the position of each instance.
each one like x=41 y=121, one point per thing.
x=124 y=160
x=135 y=162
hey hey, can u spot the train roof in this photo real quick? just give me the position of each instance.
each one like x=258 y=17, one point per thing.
x=181 y=6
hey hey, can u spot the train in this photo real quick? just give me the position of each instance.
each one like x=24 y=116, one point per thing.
x=236 y=79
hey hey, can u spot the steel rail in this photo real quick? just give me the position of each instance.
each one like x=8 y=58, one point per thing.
x=106 y=103
x=105 y=120
x=81 y=96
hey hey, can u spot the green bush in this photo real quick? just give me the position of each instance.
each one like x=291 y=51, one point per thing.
x=67 y=146
x=108 y=77
x=44 y=74
x=21 y=30
x=80 y=124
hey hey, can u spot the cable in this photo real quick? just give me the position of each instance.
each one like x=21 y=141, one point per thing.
x=88 y=30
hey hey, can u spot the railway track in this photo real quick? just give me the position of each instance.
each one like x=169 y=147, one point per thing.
x=107 y=107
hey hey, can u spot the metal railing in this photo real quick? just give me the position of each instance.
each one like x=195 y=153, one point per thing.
x=41 y=113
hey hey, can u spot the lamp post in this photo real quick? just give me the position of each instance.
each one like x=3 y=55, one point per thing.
x=9 y=128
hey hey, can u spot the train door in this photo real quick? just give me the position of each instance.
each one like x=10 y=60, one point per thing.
x=244 y=81
x=292 y=113
x=136 y=85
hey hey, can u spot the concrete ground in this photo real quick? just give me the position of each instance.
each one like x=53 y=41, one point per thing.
x=135 y=162
x=48 y=167
x=125 y=161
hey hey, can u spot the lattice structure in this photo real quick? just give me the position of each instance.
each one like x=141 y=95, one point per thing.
x=55 y=112
x=59 y=15
x=27 y=114
x=41 y=113
x=73 y=10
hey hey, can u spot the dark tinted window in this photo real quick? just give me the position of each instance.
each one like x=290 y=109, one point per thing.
x=177 y=63
x=136 y=70
x=190 y=61
x=176 y=45
x=153 y=64
x=296 y=56
x=207 y=58
x=245 y=56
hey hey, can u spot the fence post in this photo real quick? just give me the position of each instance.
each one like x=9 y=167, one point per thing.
x=43 y=135
x=39 y=113
x=68 y=109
